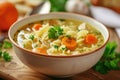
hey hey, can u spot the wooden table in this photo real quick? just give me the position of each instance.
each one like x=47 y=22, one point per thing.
x=15 y=70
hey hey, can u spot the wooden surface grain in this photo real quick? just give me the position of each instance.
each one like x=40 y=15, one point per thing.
x=15 y=70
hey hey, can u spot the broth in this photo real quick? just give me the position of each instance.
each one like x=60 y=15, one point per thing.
x=59 y=37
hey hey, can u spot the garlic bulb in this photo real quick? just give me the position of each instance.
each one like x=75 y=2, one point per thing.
x=77 y=6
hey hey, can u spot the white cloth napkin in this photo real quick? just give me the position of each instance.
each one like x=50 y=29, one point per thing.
x=107 y=17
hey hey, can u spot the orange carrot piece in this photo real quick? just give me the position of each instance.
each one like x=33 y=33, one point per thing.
x=70 y=43
x=40 y=50
x=90 y=39
x=37 y=26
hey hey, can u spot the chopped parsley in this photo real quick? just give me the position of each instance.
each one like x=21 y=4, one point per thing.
x=56 y=46
x=62 y=19
x=31 y=37
x=64 y=48
x=55 y=32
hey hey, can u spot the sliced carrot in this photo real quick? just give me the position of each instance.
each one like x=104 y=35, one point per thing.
x=40 y=50
x=70 y=43
x=37 y=26
x=90 y=39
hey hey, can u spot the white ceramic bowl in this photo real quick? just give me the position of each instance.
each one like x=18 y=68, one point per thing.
x=60 y=66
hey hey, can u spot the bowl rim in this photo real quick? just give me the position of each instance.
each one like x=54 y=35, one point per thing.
x=54 y=56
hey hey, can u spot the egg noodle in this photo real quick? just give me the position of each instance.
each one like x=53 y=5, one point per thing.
x=59 y=37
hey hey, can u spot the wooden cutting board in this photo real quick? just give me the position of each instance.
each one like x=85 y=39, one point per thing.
x=15 y=70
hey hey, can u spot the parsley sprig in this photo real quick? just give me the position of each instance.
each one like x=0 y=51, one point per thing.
x=55 y=32
x=7 y=44
x=56 y=47
x=31 y=37
x=4 y=54
x=110 y=60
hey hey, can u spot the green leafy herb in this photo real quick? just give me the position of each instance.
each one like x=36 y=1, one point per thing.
x=55 y=32
x=31 y=37
x=110 y=60
x=0 y=45
x=62 y=19
x=64 y=48
x=7 y=44
x=6 y=56
x=0 y=53
x=56 y=46
x=57 y=6
x=110 y=50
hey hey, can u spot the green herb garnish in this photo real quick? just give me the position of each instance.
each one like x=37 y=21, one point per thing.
x=55 y=32
x=7 y=44
x=31 y=37
x=57 y=6
x=110 y=60
x=62 y=19
x=63 y=49
x=56 y=46
x=0 y=53
x=1 y=45
x=6 y=56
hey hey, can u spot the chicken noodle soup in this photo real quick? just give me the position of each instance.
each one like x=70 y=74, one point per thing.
x=59 y=37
